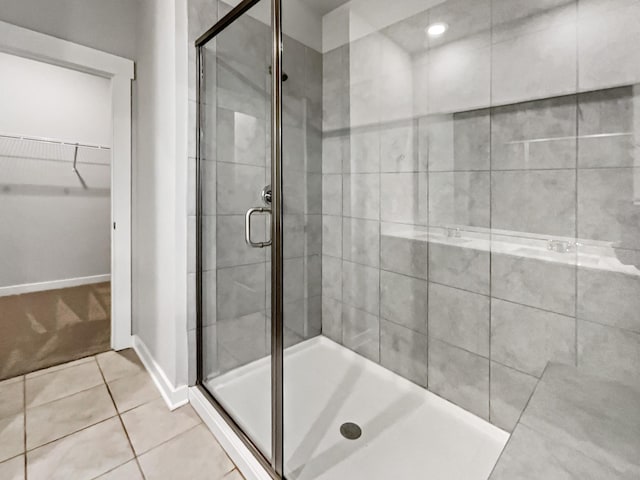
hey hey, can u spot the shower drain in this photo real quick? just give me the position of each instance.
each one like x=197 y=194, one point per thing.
x=350 y=431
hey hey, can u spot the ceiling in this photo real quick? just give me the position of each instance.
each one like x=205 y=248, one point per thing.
x=323 y=6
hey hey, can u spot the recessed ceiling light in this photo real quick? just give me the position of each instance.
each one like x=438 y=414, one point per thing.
x=437 y=29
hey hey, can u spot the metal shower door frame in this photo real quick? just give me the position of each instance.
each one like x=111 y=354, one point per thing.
x=274 y=465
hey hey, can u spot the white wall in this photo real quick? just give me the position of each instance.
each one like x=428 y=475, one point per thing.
x=53 y=228
x=107 y=25
x=159 y=244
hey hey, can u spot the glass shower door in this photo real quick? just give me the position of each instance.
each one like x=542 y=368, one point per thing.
x=234 y=258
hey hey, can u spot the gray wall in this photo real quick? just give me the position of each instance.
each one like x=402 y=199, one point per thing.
x=475 y=319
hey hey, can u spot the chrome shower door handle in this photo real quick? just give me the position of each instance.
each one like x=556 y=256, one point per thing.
x=247 y=227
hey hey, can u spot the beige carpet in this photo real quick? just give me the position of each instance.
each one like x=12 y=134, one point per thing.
x=42 y=329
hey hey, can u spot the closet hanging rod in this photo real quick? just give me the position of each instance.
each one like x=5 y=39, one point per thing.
x=53 y=141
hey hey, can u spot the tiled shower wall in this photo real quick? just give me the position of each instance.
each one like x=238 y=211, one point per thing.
x=484 y=131
x=235 y=168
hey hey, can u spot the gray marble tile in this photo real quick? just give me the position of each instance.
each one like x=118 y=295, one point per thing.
x=404 y=255
x=312 y=276
x=534 y=282
x=361 y=287
x=404 y=198
x=531 y=135
x=241 y=137
x=609 y=298
x=293 y=279
x=404 y=352
x=460 y=377
x=332 y=319
x=332 y=235
x=361 y=196
x=398 y=152
x=607 y=206
x=12 y=469
x=610 y=352
x=510 y=392
x=404 y=300
x=241 y=290
x=361 y=241
x=594 y=414
x=313 y=197
x=606 y=128
x=535 y=62
x=531 y=455
x=209 y=239
x=231 y=250
x=361 y=332
x=364 y=104
x=332 y=277
x=365 y=152
x=436 y=142
x=209 y=297
x=293 y=235
x=244 y=337
x=459 y=267
x=527 y=339
x=465 y=87
x=471 y=140
x=459 y=198
x=295 y=202
x=313 y=67
x=335 y=108
x=335 y=68
x=85 y=454
x=56 y=419
x=607 y=33
x=332 y=194
x=334 y=150
x=313 y=234
x=174 y=459
x=239 y=187
x=459 y=318
x=541 y=202
x=516 y=12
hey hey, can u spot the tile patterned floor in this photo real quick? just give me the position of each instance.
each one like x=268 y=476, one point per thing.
x=101 y=417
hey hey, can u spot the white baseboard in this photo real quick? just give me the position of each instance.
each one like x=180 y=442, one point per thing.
x=173 y=396
x=52 y=285
x=248 y=465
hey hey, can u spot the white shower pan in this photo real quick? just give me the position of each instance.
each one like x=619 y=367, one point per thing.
x=408 y=432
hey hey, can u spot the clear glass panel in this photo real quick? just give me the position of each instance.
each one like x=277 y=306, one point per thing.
x=479 y=200
x=234 y=150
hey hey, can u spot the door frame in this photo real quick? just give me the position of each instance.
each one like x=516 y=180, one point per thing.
x=38 y=46
x=273 y=466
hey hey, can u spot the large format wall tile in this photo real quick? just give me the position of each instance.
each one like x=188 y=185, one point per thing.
x=510 y=392
x=607 y=36
x=459 y=376
x=332 y=236
x=239 y=187
x=609 y=352
x=459 y=198
x=527 y=339
x=531 y=201
x=361 y=286
x=332 y=319
x=404 y=198
x=607 y=132
x=332 y=194
x=398 y=149
x=403 y=255
x=230 y=248
x=361 y=332
x=403 y=300
x=535 y=282
x=241 y=290
x=529 y=62
x=404 y=351
x=534 y=135
x=609 y=298
x=361 y=196
x=361 y=241
x=608 y=207
x=460 y=318
x=365 y=153
x=332 y=277
x=459 y=267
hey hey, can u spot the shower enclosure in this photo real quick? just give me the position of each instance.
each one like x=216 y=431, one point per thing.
x=415 y=220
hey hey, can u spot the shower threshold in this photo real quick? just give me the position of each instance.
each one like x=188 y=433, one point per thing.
x=406 y=431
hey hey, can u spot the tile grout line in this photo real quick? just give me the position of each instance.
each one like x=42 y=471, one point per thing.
x=135 y=456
